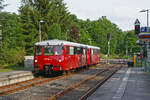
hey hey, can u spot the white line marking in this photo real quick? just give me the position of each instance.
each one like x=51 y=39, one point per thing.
x=120 y=92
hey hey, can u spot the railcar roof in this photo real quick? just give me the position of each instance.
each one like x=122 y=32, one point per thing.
x=60 y=42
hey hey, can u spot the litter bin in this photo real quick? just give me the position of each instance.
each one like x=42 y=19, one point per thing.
x=130 y=64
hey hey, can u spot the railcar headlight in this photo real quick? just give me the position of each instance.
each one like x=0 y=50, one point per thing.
x=59 y=60
x=35 y=61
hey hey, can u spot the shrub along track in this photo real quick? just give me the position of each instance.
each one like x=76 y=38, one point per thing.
x=8 y=89
x=55 y=88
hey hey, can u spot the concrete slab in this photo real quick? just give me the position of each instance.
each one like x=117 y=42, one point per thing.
x=126 y=84
x=11 y=77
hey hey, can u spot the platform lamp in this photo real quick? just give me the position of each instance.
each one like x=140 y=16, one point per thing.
x=146 y=10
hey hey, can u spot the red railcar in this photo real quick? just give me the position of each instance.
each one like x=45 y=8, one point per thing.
x=60 y=55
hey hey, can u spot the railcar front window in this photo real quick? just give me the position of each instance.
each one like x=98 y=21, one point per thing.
x=48 y=50
x=58 y=50
x=38 y=50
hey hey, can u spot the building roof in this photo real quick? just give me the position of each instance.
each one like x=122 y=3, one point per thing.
x=63 y=42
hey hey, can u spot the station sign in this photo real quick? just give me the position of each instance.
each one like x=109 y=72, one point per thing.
x=143 y=29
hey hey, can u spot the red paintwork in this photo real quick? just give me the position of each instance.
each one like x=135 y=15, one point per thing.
x=67 y=61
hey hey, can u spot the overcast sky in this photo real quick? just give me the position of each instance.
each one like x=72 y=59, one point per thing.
x=121 y=12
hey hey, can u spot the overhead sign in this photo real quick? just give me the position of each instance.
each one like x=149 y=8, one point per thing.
x=143 y=29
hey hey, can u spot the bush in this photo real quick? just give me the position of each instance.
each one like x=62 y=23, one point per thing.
x=12 y=56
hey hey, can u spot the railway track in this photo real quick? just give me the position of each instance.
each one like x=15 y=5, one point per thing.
x=8 y=89
x=74 y=93
x=44 y=89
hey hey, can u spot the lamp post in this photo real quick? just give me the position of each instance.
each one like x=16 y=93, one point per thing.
x=147 y=10
x=0 y=33
x=40 y=38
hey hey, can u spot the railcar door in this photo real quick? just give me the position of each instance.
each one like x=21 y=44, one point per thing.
x=84 y=57
x=67 y=57
x=88 y=56
x=91 y=55
x=79 y=53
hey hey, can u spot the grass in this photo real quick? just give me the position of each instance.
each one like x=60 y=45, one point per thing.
x=5 y=68
x=114 y=56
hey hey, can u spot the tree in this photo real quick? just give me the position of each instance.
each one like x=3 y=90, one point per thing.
x=54 y=32
x=12 y=50
x=131 y=38
x=54 y=14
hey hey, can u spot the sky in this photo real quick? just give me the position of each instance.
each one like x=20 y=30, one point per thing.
x=121 y=12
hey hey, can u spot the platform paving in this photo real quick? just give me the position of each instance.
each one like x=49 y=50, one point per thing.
x=126 y=84
x=15 y=76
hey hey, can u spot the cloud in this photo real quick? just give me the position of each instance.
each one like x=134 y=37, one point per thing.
x=121 y=12
x=13 y=5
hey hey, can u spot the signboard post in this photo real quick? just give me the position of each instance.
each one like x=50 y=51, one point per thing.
x=108 y=39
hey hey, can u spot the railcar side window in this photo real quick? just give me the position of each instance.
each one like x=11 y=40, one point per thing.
x=92 y=51
x=38 y=50
x=96 y=51
x=84 y=51
x=71 y=50
x=48 y=50
x=66 y=50
x=78 y=50
x=58 y=50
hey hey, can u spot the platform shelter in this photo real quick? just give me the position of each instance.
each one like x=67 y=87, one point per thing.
x=145 y=43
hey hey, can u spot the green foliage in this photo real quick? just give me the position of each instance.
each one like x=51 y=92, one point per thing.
x=12 y=48
x=54 y=32
x=21 y=31
x=131 y=38
x=54 y=14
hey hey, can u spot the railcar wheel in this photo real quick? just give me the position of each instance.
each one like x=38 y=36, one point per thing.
x=35 y=74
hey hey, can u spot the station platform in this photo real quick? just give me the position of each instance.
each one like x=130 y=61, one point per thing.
x=10 y=77
x=126 y=84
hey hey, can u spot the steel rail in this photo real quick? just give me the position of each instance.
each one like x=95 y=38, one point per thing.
x=78 y=84
x=100 y=83
x=22 y=86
